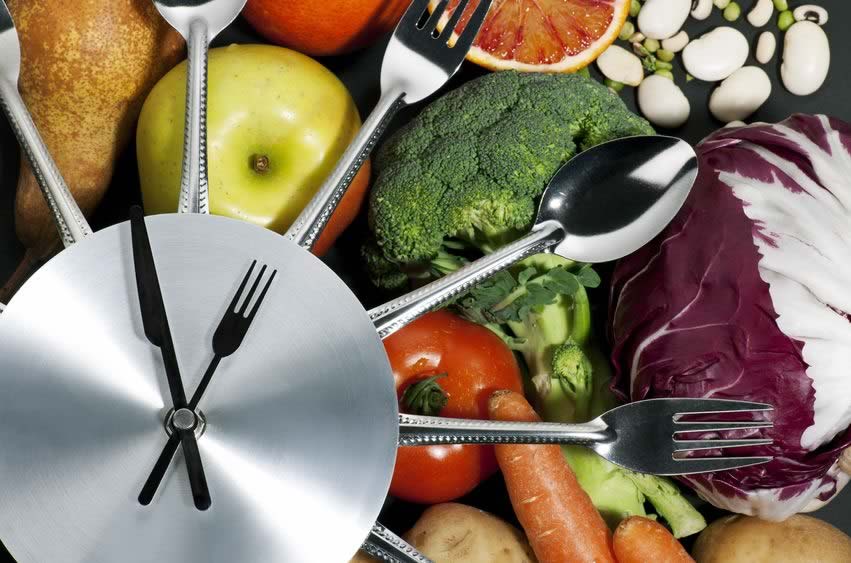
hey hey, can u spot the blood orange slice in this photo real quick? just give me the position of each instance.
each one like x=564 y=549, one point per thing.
x=543 y=35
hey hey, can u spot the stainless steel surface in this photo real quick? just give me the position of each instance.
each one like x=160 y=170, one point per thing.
x=69 y=219
x=603 y=204
x=184 y=419
x=198 y=21
x=641 y=436
x=301 y=422
x=419 y=60
x=387 y=546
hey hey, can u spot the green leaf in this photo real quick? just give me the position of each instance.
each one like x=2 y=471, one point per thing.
x=525 y=276
x=563 y=282
x=588 y=277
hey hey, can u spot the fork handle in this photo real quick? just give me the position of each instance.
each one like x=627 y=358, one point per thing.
x=417 y=430
x=387 y=546
x=70 y=221
x=393 y=315
x=310 y=223
x=194 y=188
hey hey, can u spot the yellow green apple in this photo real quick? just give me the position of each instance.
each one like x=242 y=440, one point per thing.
x=277 y=123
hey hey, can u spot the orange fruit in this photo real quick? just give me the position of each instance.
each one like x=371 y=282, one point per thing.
x=324 y=27
x=543 y=35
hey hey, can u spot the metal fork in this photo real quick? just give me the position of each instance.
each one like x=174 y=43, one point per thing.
x=642 y=436
x=198 y=21
x=419 y=60
x=69 y=218
x=226 y=340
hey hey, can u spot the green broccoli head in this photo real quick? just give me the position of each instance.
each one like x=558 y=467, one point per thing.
x=472 y=166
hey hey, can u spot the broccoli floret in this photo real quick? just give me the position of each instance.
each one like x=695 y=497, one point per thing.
x=572 y=381
x=472 y=166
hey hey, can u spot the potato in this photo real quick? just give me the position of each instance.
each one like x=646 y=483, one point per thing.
x=745 y=539
x=455 y=533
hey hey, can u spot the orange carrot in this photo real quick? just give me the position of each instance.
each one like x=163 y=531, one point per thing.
x=639 y=540
x=561 y=522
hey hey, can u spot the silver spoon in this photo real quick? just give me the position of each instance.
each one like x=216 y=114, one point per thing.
x=198 y=21
x=603 y=204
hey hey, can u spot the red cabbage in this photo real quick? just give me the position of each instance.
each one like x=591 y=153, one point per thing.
x=747 y=295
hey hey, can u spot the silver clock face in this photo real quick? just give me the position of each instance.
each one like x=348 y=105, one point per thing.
x=301 y=422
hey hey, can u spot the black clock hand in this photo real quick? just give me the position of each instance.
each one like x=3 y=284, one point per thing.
x=157 y=331
x=226 y=340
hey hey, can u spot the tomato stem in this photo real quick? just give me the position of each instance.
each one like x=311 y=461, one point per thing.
x=425 y=397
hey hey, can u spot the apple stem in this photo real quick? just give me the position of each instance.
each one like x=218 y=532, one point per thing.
x=260 y=163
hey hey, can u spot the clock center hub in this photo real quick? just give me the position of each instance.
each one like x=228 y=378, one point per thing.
x=185 y=419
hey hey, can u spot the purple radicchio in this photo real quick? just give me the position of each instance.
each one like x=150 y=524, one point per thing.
x=747 y=295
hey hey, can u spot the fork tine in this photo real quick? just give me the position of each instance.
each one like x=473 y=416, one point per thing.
x=690 y=466
x=254 y=287
x=696 y=445
x=262 y=296
x=413 y=14
x=719 y=426
x=438 y=12
x=703 y=406
x=471 y=30
x=242 y=285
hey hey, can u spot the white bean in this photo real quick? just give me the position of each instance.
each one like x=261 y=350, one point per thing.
x=806 y=58
x=660 y=19
x=765 y=47
x=717 y=54
x=618 y=64
x=761 y=13
x=676 y=43
x=741 y=94
x=810 y=12
x=736 y=123
x=702 y=10
x=662 y=102
x=637 y=37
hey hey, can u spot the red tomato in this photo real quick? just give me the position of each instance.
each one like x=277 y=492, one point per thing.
x=476 y=363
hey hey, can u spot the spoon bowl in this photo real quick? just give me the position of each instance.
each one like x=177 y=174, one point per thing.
x=604 y=215
x=216 y=14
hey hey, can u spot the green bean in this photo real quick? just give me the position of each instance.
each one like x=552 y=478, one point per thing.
x=652 y=45
x=666 y=73
x=689 y=78
x=614 y=84
x=662 y=65
x=732 y=12
x=785 y=20
x=634 y=8
x=781 y=5
x=721 y=4
x=626 y=31
x=665 y=55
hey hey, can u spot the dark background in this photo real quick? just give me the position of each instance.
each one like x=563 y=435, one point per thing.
x=360 y=73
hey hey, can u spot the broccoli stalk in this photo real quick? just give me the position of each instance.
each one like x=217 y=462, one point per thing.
x=616 y=492
x=541 y=310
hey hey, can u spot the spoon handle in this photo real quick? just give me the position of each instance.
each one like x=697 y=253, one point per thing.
x=69 y=218
x=310 y=223
x=395 y=314
x=416 y=430
x=194 y=191
x=387 y=546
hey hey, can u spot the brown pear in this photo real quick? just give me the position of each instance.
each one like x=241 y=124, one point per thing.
x=86 y=68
